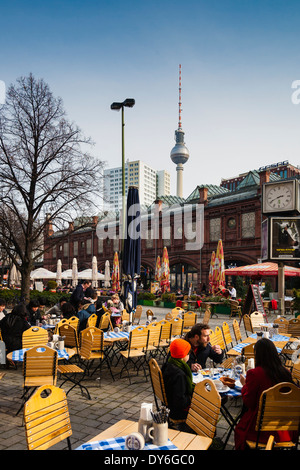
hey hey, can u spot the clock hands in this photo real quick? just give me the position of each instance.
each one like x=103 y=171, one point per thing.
x=281 y=195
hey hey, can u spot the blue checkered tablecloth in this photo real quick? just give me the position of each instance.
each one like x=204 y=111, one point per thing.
x=232 y=392
x=240 y=346
x=18 y=355
x=118 y=335
x=118 y=443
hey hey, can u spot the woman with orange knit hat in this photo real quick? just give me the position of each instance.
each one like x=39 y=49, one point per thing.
x=178 y=379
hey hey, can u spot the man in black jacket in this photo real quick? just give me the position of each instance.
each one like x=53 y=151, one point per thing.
x=201 y=349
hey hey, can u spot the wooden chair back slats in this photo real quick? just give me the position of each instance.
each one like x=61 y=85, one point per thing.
x=86 y=346
x=235 y=308
x=283 y=325
x=92 y=320
x=74 y=321
x=105 y=321
x=97 y=338
x=236 y=331
x=176 y=324
x=189 y=320
x=294 y=327
x=125 y=315
x=166 y=328
x=137 y=314
x=248 y=351
x=59 y=324
x=226 y=334
x=46 y=418
x=40 y=366
x=279 y=409
x=257 y=319
x=296 y=373
x=205 y=409
x=206 y=317
x=34 y=336
x=154 y=333
x=71 y=338
x=157 y=383
x=247 y=325
x=138 y=338
x=216 y=337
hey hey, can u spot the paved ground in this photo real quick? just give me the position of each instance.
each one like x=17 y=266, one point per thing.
x=111 y=401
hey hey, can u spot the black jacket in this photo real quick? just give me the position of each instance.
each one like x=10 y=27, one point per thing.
x=12 y=327
x=176 y=387
x=202 y=354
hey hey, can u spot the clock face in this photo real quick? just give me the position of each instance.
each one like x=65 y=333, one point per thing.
x=279 y=197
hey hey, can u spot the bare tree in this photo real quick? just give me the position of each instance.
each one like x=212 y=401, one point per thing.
x=43 y=170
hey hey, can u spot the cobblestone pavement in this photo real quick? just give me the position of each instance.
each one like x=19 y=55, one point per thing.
x=110 y=402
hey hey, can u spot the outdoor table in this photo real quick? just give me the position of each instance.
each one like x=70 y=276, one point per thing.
x=213 y=304
x=279 y=341
x=18 y=355
x=108 y=439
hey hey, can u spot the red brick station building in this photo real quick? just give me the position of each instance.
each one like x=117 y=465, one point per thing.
x=232 y=212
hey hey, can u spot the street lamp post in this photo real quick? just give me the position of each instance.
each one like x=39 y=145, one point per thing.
x=116 y=106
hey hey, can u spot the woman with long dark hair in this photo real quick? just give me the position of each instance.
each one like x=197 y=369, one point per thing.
x=268 y=372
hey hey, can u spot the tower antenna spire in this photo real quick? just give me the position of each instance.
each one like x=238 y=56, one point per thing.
x=179 y=120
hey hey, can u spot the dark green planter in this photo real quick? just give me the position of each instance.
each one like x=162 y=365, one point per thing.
x=169 y=305
x=222 y=309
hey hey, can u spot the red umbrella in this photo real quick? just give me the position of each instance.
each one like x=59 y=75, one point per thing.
x=261 y=269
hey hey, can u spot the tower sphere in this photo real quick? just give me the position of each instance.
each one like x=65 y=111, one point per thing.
x=179 y=153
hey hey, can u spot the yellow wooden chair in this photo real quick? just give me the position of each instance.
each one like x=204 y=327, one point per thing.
x=165 y=337
x=92 y=320
x=257 y=319
x=154 y=339
x=247 y=325
x=206 y=316
x=74 y=321
x=105 y=322
x=296 y=373
x=39 y=368
x=236 y=331
x=34 y=336
x=189 y=320
x=205 y=410
x=177 y=311
x=248 y=351
x=92 y=349
x=283 y=324
x=135 y=353
x=158 y=388
x=58 y=325
x=217 y=338
x=71 y=337
x=176 y=326
x=227 y=335
x=279 y=409
x=137 y=314
x=294 y=327
x=47 y=419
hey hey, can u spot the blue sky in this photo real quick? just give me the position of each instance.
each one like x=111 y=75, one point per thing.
x=238 y=57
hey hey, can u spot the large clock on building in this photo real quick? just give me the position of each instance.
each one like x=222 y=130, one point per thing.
x=281 y=196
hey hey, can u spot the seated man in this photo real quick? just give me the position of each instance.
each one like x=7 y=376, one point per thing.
x=83 y=315
x=201 y=349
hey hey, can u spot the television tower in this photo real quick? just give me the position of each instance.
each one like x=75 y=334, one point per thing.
x=179 y=154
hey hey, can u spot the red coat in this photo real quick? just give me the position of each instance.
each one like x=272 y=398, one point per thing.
x=256 y=382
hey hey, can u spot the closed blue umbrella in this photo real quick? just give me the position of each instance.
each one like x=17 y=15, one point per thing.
x=131 y=266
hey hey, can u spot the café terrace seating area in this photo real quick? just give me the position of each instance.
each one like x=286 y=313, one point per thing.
x=93 y=365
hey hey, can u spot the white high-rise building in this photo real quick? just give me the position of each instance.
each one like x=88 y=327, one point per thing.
x=150 y=182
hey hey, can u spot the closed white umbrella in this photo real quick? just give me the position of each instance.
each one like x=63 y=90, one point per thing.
x=94 y=272
x=107 y=274
x=58 y=273
x=15 y=276
x=67 y=274
x=87 y=274
x=74 y=273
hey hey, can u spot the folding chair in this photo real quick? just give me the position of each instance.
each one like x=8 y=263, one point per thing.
x=58 y=325
x=236 y=331
x=39 y=368
x=137 y=314
x=105 y=322
x=189 y=320
x=92 y=320
x=158 y=388
x=279 y=410
x=154 y=338
x=227 y=336
x=296 y=373
x=176 y=326
x=205 y=409
x=34 y=336
x=257 y=319
x=92 y=349
x=206 y=316
x=74 y=321
x=248 y=351
x=217 y=338
x=247 y=325
x=165 y=337
x=283 y=324
x=71 y=337
x=177 y=311
x=135 y=352
x=47 y=419
x=294 y=327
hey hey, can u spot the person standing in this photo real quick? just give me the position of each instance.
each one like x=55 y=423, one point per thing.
x=78 y=294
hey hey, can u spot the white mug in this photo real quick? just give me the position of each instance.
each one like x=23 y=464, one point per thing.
x=160 y=434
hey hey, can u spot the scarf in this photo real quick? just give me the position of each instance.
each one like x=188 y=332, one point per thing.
x=186 y=369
